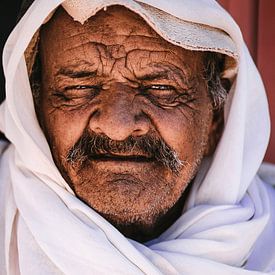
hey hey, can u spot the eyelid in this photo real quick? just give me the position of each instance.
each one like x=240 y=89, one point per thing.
x=82 y=87
x=73 y=92
x=160 y=87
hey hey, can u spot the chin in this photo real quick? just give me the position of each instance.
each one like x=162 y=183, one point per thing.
x=141 y=201
x=140 y=210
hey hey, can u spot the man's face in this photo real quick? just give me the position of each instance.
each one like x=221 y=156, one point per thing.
x=127 y=115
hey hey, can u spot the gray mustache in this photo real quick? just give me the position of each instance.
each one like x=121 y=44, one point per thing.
x=147 y=147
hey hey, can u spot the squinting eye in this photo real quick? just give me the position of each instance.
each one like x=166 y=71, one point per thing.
x=160 y=94
x=76 y=95
x=160 y=91
x=160 y=87
x=81 y=92
x=79 y=87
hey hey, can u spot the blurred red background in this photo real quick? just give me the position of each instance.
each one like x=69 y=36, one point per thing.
x=256 y=19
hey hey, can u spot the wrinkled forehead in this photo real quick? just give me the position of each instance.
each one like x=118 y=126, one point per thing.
x=151 y=23
x=112 y=36
x=117 y=28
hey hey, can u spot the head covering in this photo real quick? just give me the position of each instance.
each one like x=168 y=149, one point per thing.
x=227 y=225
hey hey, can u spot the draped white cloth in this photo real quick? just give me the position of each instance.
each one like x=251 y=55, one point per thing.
x=228 y=225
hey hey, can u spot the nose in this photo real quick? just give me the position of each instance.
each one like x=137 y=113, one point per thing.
x=118 y=118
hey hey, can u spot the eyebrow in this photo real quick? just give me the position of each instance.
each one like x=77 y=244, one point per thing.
x=75 y=73
x=154 y=75
x=162 y=74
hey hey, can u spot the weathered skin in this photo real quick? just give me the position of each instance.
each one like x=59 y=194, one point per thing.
x=115 y=76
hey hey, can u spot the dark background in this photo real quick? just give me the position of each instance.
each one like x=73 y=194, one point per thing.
x=8 y=14
x=255 y=18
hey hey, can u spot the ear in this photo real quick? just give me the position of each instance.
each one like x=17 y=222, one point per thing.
x=215 y=132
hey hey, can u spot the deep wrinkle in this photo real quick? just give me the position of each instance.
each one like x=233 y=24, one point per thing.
x=123 y=81
x=164 y=73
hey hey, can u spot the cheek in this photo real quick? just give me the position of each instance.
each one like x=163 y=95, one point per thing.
x=185 y=131
x=62 y=129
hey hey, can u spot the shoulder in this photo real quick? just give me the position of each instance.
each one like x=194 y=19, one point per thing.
x=263 y=256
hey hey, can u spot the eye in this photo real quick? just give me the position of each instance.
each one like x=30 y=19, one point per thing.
x=166 y=96
x=160 y=87
x=76 y=95
x=82 y=88
x=160 y=91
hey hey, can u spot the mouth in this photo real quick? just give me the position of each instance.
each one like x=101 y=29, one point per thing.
x=121 y=158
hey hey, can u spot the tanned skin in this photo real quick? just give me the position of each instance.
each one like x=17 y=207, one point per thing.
x=115 y=77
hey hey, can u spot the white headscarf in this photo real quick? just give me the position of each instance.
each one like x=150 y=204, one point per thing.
x=227 y=226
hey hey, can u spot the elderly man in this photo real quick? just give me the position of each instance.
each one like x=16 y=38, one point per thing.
x=134 y=143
